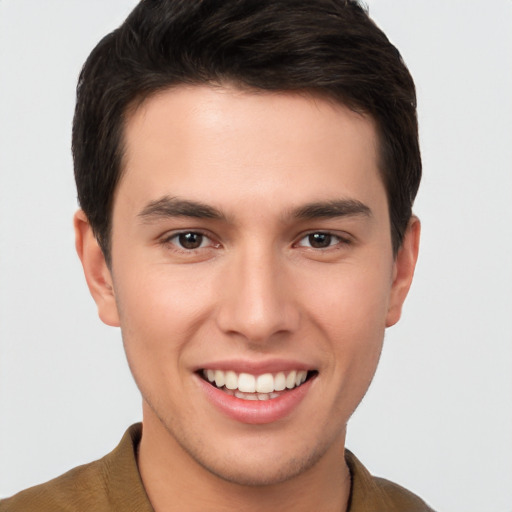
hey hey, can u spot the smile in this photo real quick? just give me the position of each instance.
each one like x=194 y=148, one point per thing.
x=246 y=386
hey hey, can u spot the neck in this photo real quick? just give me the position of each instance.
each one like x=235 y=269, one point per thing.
x=174 y=481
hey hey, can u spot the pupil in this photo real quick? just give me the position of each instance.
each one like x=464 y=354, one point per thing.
x=320 y=240
x=190 y=240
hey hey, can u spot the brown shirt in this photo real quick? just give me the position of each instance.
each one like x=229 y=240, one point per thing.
x=113 y=484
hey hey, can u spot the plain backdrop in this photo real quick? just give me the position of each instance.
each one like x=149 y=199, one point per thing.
x=438 y=418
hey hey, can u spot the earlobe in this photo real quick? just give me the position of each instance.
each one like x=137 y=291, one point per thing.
x=96 y=271
x=404 y=266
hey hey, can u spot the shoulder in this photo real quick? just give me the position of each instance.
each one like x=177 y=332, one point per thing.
x=372 y=493
x=401 y=498
x=109 y=484
x=75 y=490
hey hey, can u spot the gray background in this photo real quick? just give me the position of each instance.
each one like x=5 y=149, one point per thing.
x=438 y=418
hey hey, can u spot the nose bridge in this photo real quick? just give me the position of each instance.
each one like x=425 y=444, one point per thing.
x=256 y=302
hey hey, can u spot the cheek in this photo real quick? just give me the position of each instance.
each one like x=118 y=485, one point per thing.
x=160 y=309
x=352 y=299
x=350 y=309
x=357 y=312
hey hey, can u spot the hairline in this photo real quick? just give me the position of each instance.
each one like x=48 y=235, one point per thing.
x=134 y=105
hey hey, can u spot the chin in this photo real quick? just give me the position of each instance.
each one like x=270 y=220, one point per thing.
x=256 y=467
x=261 y=473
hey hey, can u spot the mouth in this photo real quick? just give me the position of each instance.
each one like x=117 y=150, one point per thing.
x=263 y=387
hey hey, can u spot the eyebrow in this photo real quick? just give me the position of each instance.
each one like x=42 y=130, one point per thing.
x=175 y=207
x=167 y=206
x=332 y=209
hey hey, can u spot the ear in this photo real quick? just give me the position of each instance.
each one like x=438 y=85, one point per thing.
x=97 y=274
x=403 y=270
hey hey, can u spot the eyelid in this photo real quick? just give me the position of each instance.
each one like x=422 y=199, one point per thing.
x=167 y=238
x=343 y=239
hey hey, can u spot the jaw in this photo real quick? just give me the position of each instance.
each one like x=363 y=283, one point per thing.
x=241 y=454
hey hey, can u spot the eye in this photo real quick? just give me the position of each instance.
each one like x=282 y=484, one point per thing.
x=189 y=240
x=321 y=240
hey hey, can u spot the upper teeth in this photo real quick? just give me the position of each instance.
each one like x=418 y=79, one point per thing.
x=247 y=383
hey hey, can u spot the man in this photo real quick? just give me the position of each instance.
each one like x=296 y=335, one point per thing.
x=246 y=171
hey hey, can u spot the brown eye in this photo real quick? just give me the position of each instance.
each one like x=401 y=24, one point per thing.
x=323 y=240
x=190 y=240
x=320 y=240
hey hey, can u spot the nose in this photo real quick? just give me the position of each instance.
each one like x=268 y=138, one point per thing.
x=257 y=300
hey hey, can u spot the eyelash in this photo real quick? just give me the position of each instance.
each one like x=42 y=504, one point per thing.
x=168 y=241
x=339 y=241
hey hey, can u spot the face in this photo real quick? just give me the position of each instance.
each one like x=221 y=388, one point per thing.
x=252 y=275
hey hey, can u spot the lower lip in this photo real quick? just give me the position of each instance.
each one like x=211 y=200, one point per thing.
x=256 y=412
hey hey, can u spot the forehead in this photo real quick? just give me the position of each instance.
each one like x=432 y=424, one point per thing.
x=219 y=141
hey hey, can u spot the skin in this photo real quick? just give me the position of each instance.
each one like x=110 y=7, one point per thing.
x=254 y=290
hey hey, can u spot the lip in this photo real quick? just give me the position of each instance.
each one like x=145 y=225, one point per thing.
x=255 y=412
x=256 y=367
